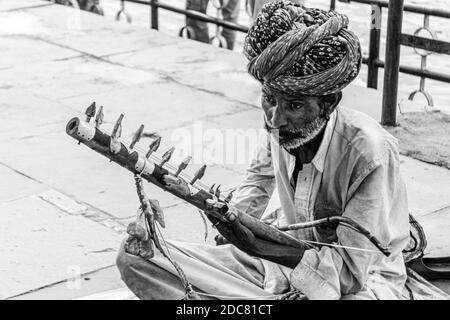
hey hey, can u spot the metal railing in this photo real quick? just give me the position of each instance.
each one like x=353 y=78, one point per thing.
x=155 y=5
x=395 y=38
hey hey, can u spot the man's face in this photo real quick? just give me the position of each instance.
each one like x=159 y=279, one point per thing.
x=293 y=120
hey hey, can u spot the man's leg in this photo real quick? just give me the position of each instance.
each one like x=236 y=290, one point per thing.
x=200 y=28
x=221 y=272
x=230 y=12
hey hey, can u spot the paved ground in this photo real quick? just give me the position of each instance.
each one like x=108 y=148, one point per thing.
x=63 y=208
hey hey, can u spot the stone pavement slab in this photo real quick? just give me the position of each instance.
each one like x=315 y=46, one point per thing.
x=436 y=226
x=16 y=186
x=428 y=186
x=199 y=65
x=81 y=31
x=156 y=105
x=42 y=245
x=56 y=79
x=34 y=50
x=25 y=115
x=87 y=284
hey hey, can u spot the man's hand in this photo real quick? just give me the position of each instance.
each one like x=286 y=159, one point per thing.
x=243 y=238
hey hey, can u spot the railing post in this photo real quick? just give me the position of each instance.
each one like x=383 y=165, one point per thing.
x=374 y=47
x=392 y=58
x=332 y=4
x=154 y=14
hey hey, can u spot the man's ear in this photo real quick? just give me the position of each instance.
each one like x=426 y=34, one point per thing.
x=332 y=100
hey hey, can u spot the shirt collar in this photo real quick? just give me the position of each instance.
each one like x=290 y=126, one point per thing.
x=319 y=159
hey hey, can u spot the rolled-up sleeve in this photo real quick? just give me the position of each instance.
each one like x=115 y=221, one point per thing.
x=330 y=272
x=255 y=191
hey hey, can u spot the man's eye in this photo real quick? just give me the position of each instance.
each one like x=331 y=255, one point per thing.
x=296 y=106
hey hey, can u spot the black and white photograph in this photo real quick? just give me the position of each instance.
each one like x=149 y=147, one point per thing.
x=247 y=151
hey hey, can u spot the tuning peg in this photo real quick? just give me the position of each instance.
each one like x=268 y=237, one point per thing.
x=167 y=155
x=199 y=174
x=217 y=192
x=137 y=136
x=211 y=190
x=99 y=117
x=90 y=112
x=153 y=147
x=229 y=196
x=114 y=144
x=117 y=130
x=183 y=165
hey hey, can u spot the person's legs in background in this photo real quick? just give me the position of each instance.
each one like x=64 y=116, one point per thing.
x=230 y=12
x=200 y=28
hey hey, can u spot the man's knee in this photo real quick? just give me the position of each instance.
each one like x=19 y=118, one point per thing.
x=146 y=279
x=129 y=264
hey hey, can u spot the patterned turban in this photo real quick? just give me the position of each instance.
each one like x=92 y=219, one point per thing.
x=302 y=51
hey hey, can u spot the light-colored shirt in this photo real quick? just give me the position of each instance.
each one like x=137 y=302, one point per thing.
x=355 y=173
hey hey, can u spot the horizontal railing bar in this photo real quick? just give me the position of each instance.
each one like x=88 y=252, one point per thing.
x=195 y=14
x=407 y=7
x=433 y=75
x=428 y=44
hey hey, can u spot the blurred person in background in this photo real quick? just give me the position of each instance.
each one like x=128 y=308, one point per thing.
x=229 y=10
x=87 y=5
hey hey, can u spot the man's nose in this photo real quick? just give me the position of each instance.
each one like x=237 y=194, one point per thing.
x=278 y=119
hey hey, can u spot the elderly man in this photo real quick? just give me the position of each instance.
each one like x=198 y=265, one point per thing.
x=325 y=160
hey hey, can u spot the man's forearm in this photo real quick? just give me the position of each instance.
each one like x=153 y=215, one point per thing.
x=280 y=254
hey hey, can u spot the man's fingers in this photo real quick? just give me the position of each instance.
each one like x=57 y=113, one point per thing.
x=211 y=218
x=226 y=232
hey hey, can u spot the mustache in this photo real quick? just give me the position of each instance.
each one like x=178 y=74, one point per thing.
x=290 y=134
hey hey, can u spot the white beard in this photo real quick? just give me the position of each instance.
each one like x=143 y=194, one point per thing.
x=307 y=134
